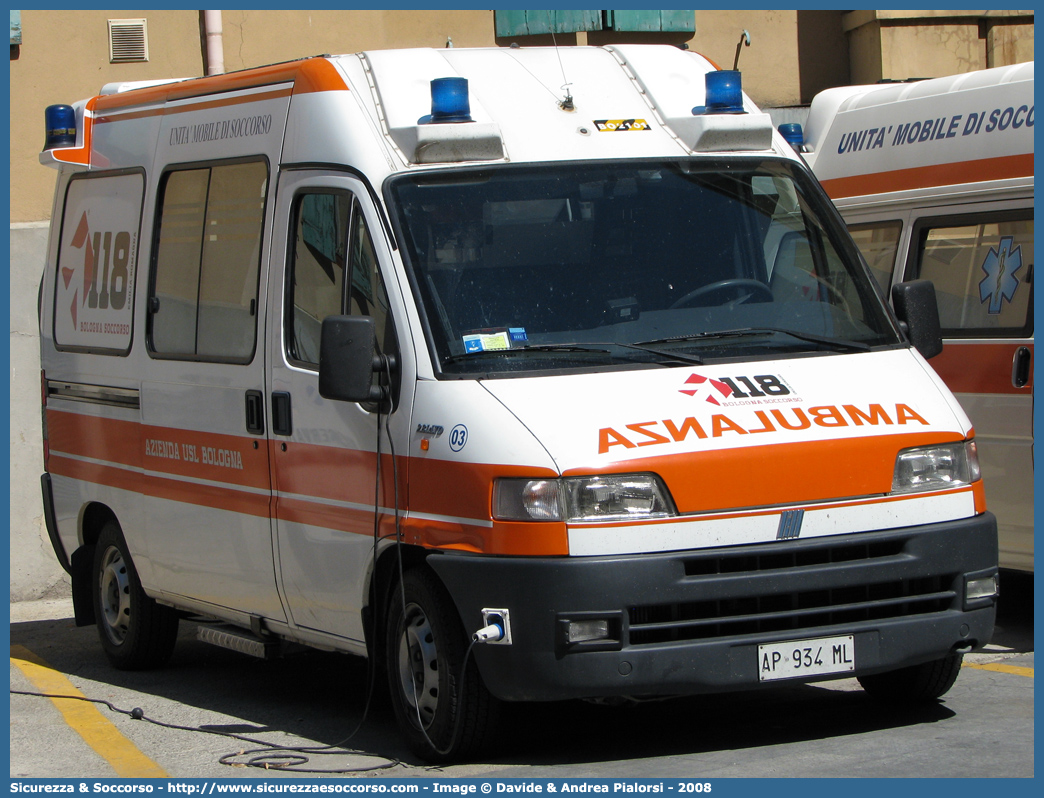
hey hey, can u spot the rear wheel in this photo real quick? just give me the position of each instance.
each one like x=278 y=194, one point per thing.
x=135 y=632
x=443 y=708
x=925 y=682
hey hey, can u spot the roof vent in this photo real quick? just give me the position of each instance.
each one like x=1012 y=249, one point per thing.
x=128 y=41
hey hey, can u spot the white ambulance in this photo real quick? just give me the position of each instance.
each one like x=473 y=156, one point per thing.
x=532 y=374
x=935 y=181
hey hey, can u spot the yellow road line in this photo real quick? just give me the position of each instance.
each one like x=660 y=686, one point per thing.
x=1018 y=670
x=85 y=719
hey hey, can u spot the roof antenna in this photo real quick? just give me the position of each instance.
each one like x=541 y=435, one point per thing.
x=565 y=104
x=744 y=40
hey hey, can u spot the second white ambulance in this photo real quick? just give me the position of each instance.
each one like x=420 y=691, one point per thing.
x=935 y=181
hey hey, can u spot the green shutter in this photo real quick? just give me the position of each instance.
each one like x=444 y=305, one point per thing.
x=682 y=21
x=530 y=23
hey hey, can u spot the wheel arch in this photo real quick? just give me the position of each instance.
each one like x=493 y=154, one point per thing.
x=93 y=517
x=384 y=578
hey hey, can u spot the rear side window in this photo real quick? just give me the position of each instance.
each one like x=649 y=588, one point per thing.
x=982 y=268
x=97 y=257
x=203 y=303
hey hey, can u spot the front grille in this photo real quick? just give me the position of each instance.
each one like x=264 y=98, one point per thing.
x=790 y=557
x=803 y=609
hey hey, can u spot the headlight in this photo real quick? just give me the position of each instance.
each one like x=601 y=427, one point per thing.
x=613 y=497
x=936 y=467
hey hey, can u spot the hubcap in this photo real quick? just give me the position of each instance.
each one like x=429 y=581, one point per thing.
x=115 y=595
x=419 y=665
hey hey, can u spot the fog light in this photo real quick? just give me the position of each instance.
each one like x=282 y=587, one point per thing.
x=981 y=587
x=585 y=631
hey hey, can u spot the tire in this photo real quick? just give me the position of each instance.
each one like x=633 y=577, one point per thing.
x=136 y=633
x=425 y=648
x=918 y=683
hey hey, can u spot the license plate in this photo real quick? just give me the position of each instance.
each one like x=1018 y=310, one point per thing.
x=795 y=659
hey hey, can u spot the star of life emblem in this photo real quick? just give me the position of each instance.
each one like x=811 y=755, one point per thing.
x=706 y=389
x=1000 y=282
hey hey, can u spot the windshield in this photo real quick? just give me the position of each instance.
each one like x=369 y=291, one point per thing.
x=567 y=266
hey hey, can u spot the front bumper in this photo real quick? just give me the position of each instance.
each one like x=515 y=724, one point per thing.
x=691 y=621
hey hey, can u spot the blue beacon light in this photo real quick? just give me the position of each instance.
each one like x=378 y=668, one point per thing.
x=724 y=93
x=60 y=124
x=449 y=102
x=792 y=133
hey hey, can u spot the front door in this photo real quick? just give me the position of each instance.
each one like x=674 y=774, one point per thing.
x=331 y=502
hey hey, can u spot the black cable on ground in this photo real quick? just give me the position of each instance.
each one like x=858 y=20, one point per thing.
x=269 y=756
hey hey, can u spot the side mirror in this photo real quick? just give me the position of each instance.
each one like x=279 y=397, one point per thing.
x=918 y=313
x=346 y=359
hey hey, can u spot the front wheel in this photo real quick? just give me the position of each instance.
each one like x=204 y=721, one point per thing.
x=925 y=682
x=135 y=632
x=442 y=707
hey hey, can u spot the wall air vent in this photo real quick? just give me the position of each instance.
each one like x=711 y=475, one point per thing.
x=128 y=41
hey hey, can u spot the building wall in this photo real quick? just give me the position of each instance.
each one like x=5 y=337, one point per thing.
x=897 y=45
x=792 y=56
x=1010 y=43
x=769 y=64
x=64 y=57
x=35 y=572
x=253 y=38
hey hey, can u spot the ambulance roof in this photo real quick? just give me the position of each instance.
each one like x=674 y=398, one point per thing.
x=979 y=125
x=548 y=103
x=524 y=105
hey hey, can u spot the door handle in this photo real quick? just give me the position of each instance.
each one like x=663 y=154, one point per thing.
x=1020 y=367
x=282 y=418
x=255 y=412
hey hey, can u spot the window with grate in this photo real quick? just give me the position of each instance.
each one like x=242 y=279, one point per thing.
x=651 y=20
x=529 y=23
x=128 y=40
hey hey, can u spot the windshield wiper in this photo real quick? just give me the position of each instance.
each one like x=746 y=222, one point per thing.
x=533 y=348
x=594 y=348
x=837 y=343
x=639 y=346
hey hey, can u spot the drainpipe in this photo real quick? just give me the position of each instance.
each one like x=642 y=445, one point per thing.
x=215 y=48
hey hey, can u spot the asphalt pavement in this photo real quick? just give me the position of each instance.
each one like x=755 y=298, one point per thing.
x=984 y=727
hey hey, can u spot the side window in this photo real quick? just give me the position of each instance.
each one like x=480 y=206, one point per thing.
x=367 y=296
x=333 y=270
x=879 y=243
x=315 y=288
x=205 y=279
x=982 y=270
